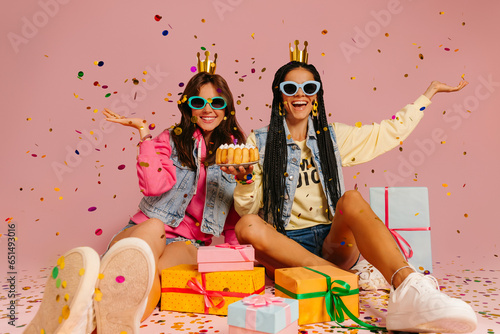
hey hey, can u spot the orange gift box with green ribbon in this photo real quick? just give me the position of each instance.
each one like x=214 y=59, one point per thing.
x=325 y=293
x=184 y=289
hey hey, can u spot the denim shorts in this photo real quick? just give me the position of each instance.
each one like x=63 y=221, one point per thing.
x=194 y=242
x=311 y=238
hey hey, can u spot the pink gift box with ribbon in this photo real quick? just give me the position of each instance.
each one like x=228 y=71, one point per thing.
x=225 y=257
x=405 y=212
x=263 y=314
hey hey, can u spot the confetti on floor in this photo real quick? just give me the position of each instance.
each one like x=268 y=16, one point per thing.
x=478 y=287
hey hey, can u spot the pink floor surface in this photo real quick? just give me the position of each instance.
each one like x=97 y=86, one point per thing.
x=478 y=286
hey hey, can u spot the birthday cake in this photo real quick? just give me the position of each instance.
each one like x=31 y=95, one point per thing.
x=236 y=154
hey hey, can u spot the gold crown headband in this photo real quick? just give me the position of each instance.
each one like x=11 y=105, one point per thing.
x=299 y=55
x=207 y=65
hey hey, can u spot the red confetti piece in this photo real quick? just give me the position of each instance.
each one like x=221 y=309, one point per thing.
x=121 y=167
x=157 y=18
x=98 y=231
x=92 y=208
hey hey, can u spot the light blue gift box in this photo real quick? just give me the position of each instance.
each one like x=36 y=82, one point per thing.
x=408 y=208
x=269 y=319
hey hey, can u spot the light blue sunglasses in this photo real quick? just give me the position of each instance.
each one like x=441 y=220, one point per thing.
x=290 y=88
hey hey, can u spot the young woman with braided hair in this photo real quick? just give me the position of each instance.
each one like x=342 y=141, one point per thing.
x=308 y=217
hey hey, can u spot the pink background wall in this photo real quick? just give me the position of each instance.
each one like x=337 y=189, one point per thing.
x=48 y=112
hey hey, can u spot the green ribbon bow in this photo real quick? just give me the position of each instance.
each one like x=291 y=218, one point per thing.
x=334 y=304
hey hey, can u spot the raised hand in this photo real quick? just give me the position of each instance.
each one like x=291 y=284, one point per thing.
x=137 y=123
x=438 y=87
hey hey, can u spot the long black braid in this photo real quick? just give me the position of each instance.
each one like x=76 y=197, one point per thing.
x=275 y=159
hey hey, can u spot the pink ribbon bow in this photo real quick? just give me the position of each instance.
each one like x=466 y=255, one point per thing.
x=195 y=285
x=408 y=253
x=262 y=300
x=236 y=247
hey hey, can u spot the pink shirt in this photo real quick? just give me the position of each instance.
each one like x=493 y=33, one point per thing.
x=157 y=176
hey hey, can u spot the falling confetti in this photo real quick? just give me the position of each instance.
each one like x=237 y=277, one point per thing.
x=121 y=167
x=92 y=209
x=157 y=18
x=98 y=231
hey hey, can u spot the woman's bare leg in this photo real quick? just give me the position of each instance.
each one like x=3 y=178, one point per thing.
x=273 y=249
x=357 y=229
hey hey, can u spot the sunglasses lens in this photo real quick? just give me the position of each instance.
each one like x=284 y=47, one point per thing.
x=289 y=89
x=310 y=89
x=218 y=103
x=197 y=103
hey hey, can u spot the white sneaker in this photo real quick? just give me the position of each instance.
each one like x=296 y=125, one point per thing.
x=370 y=279
x=67 y=299
x=418 y=305
x=122 y=289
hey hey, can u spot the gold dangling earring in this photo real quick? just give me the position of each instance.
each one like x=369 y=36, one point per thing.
x=315 y=108
x=279 y=108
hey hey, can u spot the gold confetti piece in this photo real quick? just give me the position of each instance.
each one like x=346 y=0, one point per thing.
x=417 y=214
x=28 y=119
x=421 y=56
x=203 y=20
x=386 y=34
x=445 y=185
x=448 y=194
x=353 y=78
x=81 y=272
x=443 y=142
x=76 y=95
x=64 y=284
x=60 y=198
x=441 y=13
x=324 y=32
x=323 y=54
x=253 y=34
x=463 y=75
x=100 y=276
x=66 y=297
x=358 y=124
x=188 y=242
x=194 y=119
x=177 y=131
x=60 y=319
x=466 y=215
x=65 y=312
x=60 y=262
x=97 y=295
